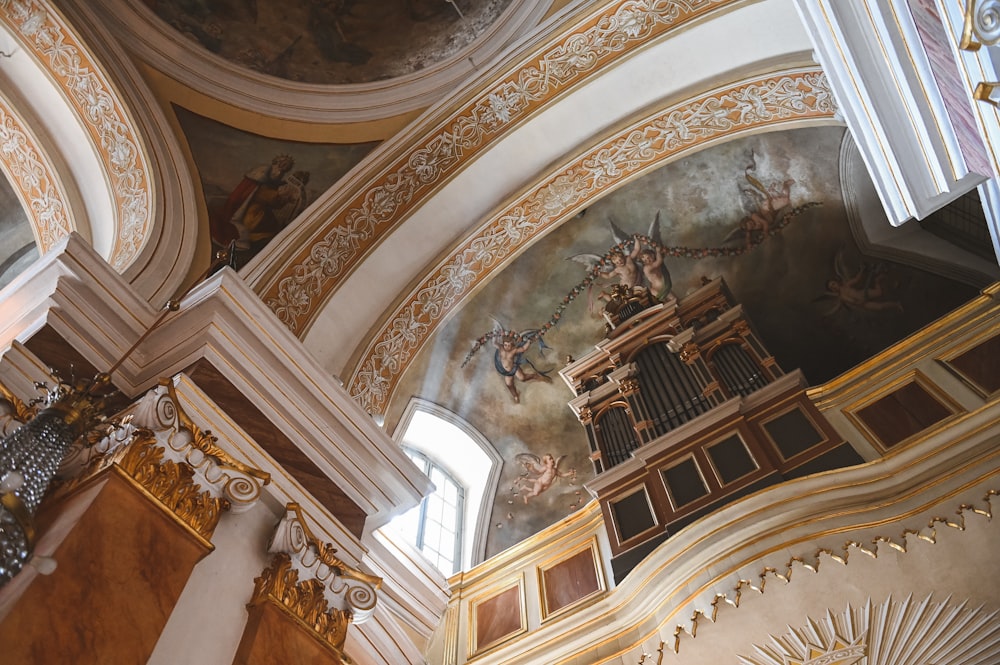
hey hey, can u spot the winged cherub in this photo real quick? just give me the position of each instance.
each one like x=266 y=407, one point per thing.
x=539 y=474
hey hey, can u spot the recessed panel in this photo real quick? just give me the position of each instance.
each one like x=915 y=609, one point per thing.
x=731 y=459
x=793 y=433
x=902 y=413
x=684 y=482
x=497 y=617
x=570 y=581
x=633 y=515
x=981 y=365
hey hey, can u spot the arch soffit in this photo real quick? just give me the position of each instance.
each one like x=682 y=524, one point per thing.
x=57 y=49
x=297 y=275
x=785 y=99
x=38 y=187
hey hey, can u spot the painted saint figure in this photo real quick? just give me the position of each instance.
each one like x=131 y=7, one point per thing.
x=250 y=213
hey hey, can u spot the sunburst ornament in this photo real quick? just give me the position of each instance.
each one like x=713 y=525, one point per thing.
x=893 y=632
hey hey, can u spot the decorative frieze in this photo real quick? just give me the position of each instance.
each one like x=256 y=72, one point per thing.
x=28 y=169
x=40 y=29
x=349 y=235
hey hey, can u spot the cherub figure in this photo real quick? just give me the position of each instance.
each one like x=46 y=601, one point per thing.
x=539 y=474
x=635 y=261
x=509 y=361
x=765 y=206
x=866 y=288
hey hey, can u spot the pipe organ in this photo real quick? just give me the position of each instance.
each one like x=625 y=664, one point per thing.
x=685 y=410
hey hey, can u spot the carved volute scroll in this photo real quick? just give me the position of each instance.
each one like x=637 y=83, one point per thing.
x=159 y=447
x=308 y=580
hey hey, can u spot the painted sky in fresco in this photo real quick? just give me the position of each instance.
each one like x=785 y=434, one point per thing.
x=331 y=41
x=785 y=284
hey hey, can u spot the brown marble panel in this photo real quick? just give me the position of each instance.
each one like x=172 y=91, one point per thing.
x=272 y=636
x=122 y=564
x=570 y=580
x=498 y=617
x=900 y=414
x=277 y=445
x=981 y=364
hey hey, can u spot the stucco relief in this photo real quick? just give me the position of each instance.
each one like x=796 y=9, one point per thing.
x=756 y=103
x=27 y=168
x=889 y=632
x=41 y=31
x=296 y=295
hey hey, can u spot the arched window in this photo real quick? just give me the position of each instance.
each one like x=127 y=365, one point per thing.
x=435 y=526
x=465 y=469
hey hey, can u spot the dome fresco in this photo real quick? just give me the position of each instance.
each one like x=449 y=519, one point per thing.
x=331 y=41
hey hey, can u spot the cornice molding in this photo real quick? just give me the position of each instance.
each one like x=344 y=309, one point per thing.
x=787 y=97
x=221 y=321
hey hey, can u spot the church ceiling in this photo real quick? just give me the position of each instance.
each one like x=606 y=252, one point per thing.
x=331 y=41
x=818 y=302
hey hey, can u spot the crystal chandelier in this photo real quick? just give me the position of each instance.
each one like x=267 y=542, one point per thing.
x=31 y=454
x=29 y=457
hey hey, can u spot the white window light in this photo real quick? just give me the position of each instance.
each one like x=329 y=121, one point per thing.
x=462 y=456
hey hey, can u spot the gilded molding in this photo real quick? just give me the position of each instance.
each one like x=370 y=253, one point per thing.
x=41 y=31
x=156 y=444
x=343 y=586
x=296 y=294
x=30 y=172
x=304 y=601
x=758 y=102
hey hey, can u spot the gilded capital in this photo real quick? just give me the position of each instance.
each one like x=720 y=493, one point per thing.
x=304 y=600
x=344 y=586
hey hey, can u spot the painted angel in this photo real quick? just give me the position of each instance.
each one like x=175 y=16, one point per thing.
x=865 y=288
x=765 y=205
x=539 y=474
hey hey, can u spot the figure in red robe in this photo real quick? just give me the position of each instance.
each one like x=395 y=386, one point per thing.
x=249 y=215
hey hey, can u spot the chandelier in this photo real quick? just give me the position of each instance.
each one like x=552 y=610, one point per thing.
x=31 y=454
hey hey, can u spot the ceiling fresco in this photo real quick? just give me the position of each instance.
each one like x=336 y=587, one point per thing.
x=254 y=186
x=764 y=212
x=18 y=249
x=331 y=41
